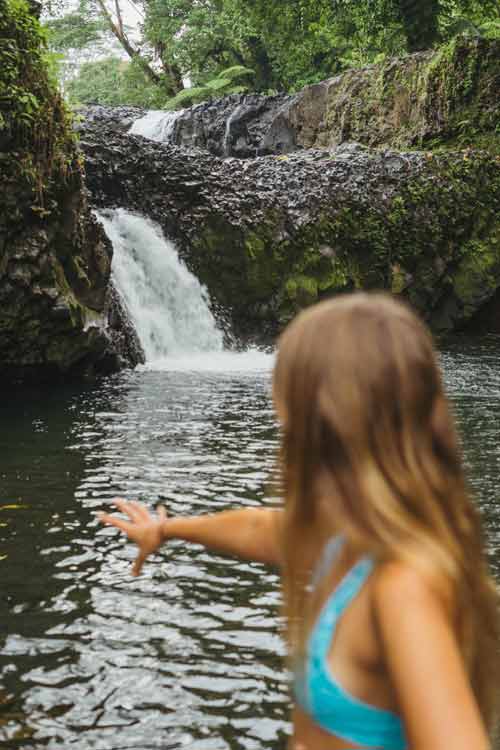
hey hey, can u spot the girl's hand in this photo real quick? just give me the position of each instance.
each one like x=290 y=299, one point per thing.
x=145 y=529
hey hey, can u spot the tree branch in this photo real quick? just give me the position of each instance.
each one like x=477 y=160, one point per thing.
x=119 y=32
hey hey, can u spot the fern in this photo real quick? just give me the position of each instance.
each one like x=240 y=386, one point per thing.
x=187 y=97
x=225 y=83
x=236 y=72
x=217 y=84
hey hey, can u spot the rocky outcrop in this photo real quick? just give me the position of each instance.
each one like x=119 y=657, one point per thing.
x=446 y=97
x=119 y=118
x=427 y=99
x=271 y=235
x=58 y=312
x=236 y=126
x=240 y=125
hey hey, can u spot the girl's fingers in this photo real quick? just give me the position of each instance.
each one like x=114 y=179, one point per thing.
x=110 y=520
x=128 y=508
x=162 y=513
x=141 y=510
x=138 y=563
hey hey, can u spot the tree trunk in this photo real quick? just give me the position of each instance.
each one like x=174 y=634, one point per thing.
x=421 y=22
x=172 y=71
x=119 y=32
x=264 y=76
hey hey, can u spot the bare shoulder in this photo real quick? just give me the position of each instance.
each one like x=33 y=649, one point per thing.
x=397 y=583
x=422 y=655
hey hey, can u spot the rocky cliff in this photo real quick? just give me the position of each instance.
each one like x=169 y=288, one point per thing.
x=444 y=97
x=267 y=235
x=271 y=235
x=58 y=312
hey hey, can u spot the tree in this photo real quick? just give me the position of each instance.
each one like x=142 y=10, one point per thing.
x=114 y=81
x=421 y=22
x=426 y=22
x=204 y=38
x=92 y=19
x=286 y=44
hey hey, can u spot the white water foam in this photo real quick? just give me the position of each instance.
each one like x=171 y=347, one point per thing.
x=157 y=125
x=249 y=361
x=167 y=304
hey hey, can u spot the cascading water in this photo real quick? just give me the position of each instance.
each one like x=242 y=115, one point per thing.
x=157 y=125
x=227 y=142
x=166 y=303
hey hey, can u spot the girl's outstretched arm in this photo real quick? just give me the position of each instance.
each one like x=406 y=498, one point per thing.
x=424 y=661
x=250 y=533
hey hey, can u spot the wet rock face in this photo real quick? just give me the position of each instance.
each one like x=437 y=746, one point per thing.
x=237 y=125
x=234 y=126
x=271 y=235
x=425 y=99
x=58 y=312
x=120 y=118
x=323 y=215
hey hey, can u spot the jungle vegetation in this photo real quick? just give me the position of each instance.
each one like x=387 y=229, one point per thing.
x=182 y=51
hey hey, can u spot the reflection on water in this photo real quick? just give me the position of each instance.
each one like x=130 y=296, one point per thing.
x=189 y=654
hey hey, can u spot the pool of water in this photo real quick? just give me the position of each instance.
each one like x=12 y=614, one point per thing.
x=189 y=654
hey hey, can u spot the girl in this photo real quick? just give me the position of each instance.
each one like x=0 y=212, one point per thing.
x=392 y=615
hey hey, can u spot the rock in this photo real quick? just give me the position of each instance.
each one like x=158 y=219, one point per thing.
x=440 y=97
x=121 y=118
x=237 y=125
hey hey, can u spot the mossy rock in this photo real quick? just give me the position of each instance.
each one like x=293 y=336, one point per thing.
x=55 y=260
x=445 y=98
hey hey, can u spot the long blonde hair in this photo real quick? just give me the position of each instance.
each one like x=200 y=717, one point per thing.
x=369 y=448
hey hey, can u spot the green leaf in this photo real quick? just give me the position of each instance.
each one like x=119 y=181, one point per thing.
x=236 y=72
x=218 y=83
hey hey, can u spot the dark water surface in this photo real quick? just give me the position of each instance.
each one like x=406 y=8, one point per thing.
x=189 y=655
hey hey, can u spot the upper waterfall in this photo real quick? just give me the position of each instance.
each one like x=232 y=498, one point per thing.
x=166 y=303
x=157 y=125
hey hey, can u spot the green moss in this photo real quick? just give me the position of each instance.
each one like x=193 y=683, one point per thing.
x=478 y=274
x=302 y=289
x=78 y=272
x=263 y=263
x=429 y=99
x=36 y=139
x=78 y=313
x=399 y=279
x=254 y=246
x=337 y=279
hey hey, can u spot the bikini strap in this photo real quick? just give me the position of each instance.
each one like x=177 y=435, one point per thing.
x=328 y=555
x=336 y=603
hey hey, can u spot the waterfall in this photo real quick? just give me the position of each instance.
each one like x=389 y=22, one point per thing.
x=227 y=145
x=166 y=303
x=157 y=125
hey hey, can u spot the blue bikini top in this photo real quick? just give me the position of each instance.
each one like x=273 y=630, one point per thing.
x=317 y=691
